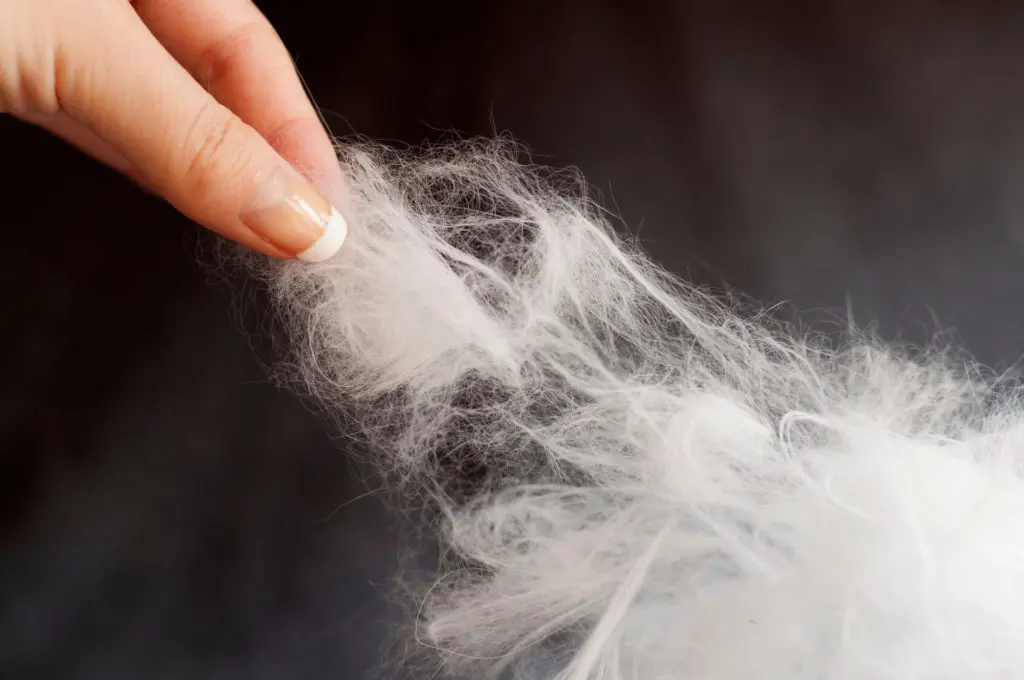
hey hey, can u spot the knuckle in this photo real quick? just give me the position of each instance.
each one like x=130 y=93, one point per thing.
x=214 y=148
x=29 y=78
x=219 y=59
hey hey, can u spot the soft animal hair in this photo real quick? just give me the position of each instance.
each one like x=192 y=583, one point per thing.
x=639 y=480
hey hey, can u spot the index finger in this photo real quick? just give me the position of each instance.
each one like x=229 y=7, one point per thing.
x=231 y=49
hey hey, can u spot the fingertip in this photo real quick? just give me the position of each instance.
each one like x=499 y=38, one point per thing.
x=309 y=148
x=289 y=213
x=330 y=242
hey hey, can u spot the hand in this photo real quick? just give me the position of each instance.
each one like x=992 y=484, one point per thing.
x=197 y=100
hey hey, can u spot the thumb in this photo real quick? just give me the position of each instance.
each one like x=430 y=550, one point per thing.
x=117 y=80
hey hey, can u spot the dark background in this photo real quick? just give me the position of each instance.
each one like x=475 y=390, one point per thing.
x=168 y=513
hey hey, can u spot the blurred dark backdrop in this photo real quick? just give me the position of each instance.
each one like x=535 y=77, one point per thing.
x=167 y=513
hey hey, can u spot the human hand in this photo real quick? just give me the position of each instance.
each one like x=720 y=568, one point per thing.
x=197 y=100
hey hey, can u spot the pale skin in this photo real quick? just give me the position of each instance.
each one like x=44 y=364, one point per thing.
x=197 y=101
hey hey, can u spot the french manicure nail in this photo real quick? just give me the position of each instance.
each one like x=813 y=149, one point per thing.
x=289 y=214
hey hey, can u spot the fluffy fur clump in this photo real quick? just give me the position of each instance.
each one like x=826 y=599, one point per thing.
x=638 y=481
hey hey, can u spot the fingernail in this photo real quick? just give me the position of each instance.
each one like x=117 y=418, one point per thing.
x=289 y=214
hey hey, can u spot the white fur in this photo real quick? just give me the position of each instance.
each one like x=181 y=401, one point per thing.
x=676 y=489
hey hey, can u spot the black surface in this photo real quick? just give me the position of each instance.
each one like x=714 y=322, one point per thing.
x=167 y=513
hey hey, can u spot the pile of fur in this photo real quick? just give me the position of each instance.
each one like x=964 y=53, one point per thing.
x=638 y=481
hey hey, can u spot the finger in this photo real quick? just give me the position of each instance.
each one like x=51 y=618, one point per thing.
x=233 y=51
x=118 y=81
x=86 y=141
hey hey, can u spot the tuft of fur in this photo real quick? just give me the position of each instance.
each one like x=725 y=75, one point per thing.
x=637 y=480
